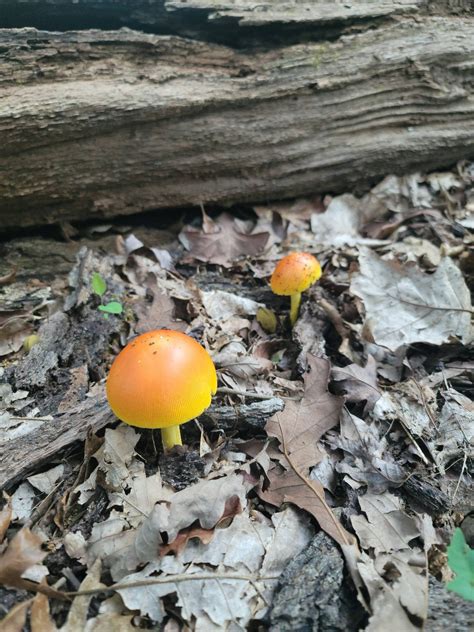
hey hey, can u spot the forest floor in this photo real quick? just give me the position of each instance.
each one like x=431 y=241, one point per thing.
x=321 y=488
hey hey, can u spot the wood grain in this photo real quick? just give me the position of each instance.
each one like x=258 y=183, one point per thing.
x=101 y=123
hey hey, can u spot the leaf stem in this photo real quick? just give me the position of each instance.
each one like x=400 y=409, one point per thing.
x=440 y=308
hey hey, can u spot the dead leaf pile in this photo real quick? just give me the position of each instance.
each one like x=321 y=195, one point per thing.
x=371 y=442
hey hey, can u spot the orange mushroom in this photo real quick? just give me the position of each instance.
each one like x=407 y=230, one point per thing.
x=294 y=274
x=161 y=379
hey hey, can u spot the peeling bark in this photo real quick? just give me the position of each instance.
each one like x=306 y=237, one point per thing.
x=102 y=123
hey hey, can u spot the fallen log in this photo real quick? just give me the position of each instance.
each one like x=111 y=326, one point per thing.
x=100 y=123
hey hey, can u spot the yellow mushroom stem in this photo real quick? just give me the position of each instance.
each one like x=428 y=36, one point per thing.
x=295 y=306
x=171 y=436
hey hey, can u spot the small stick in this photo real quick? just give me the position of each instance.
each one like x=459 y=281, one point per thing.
x=172 y=579
x=232 y=391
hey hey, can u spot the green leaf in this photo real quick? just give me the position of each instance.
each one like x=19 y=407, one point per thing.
x=98 y=284
x=461 y=562
x=114 y=307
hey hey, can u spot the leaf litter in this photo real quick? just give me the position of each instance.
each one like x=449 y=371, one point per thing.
x=375 y=388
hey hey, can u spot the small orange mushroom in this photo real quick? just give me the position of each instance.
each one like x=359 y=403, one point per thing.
x=161 y=379
x=294 y=274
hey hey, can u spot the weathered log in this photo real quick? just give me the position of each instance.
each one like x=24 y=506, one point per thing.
x=20 y=457
x=104 y=123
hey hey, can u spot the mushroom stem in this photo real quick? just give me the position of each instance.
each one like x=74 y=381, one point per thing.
x=171 y=436
x=295 y=306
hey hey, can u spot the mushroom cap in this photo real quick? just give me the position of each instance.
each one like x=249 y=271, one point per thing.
x=295 y=273
x=161 y=378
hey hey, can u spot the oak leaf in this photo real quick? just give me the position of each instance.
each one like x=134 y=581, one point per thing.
x=302 y=423
x=221 y=242
x=298 y=428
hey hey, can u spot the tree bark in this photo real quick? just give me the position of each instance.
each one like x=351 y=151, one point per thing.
x=99 y=123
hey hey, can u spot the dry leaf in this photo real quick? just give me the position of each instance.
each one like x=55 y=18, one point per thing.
x=184 y=536
x=340 y=224
x=396 y=583
x=455 y=431
x=5 y=518
x=237 y=361
x=147 y=598
x=47 y=481
x=40 y=618
x=248 y=545
x=406 y=570
x=405 y=305
x=366 y=459
x=15 y=326
x=387 y=612
x=221 y=242
x=302 y=424
x=141 y=494
x=239 y=547
x=298 y=428
x=116 y=454
x=386 y=528
x=220 y=600
x=77 y=390
x=15 y=620
x=293 y=532
x=77 y=615
x=205 y=503
x=221 y=305
x=110 y=622
x=22 y=552
x=23 y=500
x=413 y=249
x=160 y=314
x=358 y=384
x=114 y=542
x=292 y=487
x=412 y=404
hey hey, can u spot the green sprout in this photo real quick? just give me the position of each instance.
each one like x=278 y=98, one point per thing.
x=461 y=562
x=99 y=287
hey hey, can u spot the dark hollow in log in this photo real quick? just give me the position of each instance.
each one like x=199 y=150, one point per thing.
x=95 y=124
x=233 y=22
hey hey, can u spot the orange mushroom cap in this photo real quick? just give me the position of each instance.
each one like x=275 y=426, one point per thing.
x=162 y=378
x=295 y=273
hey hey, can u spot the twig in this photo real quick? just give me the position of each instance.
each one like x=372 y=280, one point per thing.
x=172 y=579
x=412 y=439
x=47 y=418
x=232 y=391
x=464 y=461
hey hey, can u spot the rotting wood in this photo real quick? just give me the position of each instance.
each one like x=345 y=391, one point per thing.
x=96 y=124
x=20 y=457
x=433 y=500
x=241 y=417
